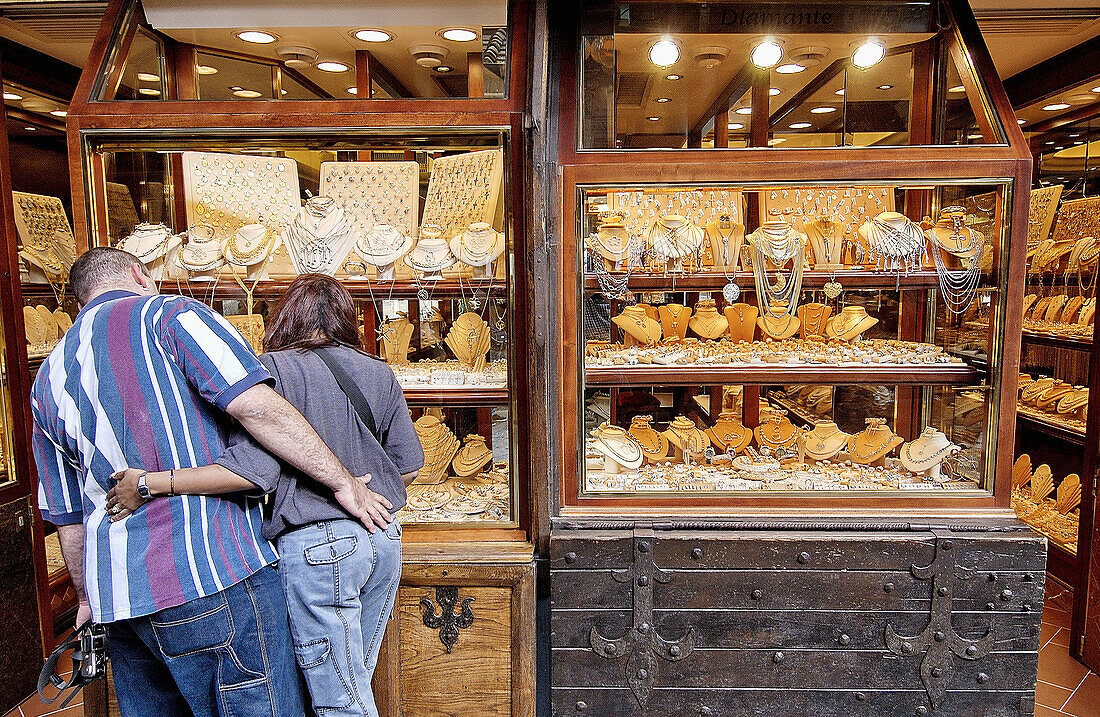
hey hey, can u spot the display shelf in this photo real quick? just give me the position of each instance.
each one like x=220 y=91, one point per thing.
x=771 y=374
x=1035 y=338
x=1052 y=429
x=467 y=396
x=714 y=281
x=795 y=411
x=228 y=288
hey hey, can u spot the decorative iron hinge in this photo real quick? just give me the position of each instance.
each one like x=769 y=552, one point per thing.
x=447 y=621
x=642 y=645
x=939 y=641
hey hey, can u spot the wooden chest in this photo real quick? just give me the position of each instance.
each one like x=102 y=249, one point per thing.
x=684 y=622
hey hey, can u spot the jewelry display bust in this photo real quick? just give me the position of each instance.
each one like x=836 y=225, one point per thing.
x=472 y=456
x=822 y=443
x=674 y=240
x=432 y=254
x=814 y=318
x=777 y=434
x=396 y=335
x=674 y=320
x=382 y=246
x=469 y=340
x=707 y=322
x=201 y=255
x=618 y=448
x=320 y=237
x=729 y=434
x=871 y=445
x=612 y=241
x=726 y=239
x=440 y=447
x=478 y=246
x=250 y=247
x=741 y=319
x=638 y=326
x=925 y=454
x=655 y=447
x=151 y=243
x=894 y=240
x=850 y=323
x=779 y=324
x=826 y=237
x=688 y=441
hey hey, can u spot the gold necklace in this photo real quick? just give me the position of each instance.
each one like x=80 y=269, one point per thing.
x=240 y=256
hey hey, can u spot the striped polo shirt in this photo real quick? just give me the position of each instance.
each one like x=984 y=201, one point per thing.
x=142 y=382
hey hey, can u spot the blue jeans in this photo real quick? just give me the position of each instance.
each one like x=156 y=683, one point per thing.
x=225 y=654
x=340 y=583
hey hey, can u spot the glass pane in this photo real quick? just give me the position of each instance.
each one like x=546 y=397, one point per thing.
x=409 y=49
x=7 y=462
x=396 y=200
x=658 y=75
x=811 y=352
x=143 y=73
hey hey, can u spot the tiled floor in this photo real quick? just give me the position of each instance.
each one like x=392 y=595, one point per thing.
x=1066 y=687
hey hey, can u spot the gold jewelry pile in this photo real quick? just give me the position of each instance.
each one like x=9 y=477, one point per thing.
x=484 y=497
x=1053 y=401
x=1058 y=517
x=449 y=374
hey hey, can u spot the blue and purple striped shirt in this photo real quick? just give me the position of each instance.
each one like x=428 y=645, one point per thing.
x=143 y=381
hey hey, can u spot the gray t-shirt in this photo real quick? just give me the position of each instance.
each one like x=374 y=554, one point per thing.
x=304 y=380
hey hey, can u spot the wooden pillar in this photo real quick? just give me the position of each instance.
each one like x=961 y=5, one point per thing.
x=363 y=60
x=695 y=139
x=722 y=129
x=475 y=74
x=761 y=109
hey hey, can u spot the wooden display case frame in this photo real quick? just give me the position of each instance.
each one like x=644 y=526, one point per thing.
x=921 y=164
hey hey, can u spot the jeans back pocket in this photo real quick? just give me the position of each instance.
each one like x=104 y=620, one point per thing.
x=194 y=627
x=330 y=551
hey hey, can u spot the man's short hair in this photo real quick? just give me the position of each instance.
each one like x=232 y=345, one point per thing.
x=98 y=267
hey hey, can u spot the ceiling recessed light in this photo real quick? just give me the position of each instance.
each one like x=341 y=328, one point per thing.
x=1096 y=89
x=957 y=88
x=458 y=34
x=735 y=125
x=791 y=68
x=662 y=100
x=743 y=110
x=149 y=91
x=443 y=68
x=1049 y=142
x=148 y=77
x=973 y=136
x=12 y=97
x=823 y=110
x=330 y=66
x=1054 y=107
x=664 y=53
x=672 y=77
x=774 y=91
x=31 y=129
x=256 y=36
x=236 y=87
x=1075 y=134
x=247 y=94
x=282 y=92
x=839 y=92
x=1059 y=147
x=1020 y=121
x=353 y=90
x=885 y=87
x=653 y=119
x=868 y=54
x=800 y=125
x=373 y=35
x=206 y=70
x=776 y=140
x=59 y=113
x=766 y=54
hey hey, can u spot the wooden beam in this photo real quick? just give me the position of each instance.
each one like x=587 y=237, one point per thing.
x=38 y=71
x=761 y=101
x=363 y=78
x=973 y=90
x=737 y=86
x=385 y=79
x=722 y=129
x=823 y=78
x=475 y=75
x=1076 y=66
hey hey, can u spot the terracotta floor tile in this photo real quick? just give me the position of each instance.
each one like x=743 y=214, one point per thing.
x=14 y=713
x=1058 y=668
x=1041 y=711
x=1054 y=616
x=1046 y=631
x=1052 y=696
x=1085 y=702
x=1061 y=638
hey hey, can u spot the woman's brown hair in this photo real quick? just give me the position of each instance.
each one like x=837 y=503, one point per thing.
x=315 y=311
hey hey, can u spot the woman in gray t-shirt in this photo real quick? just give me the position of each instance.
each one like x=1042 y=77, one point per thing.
x=340 y=577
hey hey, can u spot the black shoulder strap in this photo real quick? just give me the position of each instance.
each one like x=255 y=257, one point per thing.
x=350 y=389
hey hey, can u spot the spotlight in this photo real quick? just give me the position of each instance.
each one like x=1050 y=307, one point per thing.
x=735 y=125
x=330 y=66
x=148 y=77
x=823 y=110
x=767 y=54
x=206 y=70
x=256 y=36
x=1056 y=106
x=664 y=53
x=791 y=68
x=800 y=125
x=373 y=35
x=868 y=54
x=12 y=97
x=458 y=34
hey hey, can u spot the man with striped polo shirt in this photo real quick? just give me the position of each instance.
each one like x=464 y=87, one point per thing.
x=196 y=618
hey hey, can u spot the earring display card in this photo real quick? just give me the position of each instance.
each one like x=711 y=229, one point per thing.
x=463 y=189
x=227 y=191
x=41 y=223
x=373 y=193
x=851 y=206
x=640 y=208
x=1044 y=205
x=1078 y=218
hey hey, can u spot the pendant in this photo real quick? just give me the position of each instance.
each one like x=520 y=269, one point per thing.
x=780 y=282
x=832 y=289
x=475 y=303
x=498 y=336
x=731 y=292
x=422 y=294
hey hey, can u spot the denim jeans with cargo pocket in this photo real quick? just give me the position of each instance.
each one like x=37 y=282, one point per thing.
x=227 y=654
x=340 y=582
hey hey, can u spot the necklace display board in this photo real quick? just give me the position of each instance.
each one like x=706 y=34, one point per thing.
x=44 y=233
x=463 y=189
x=848 y=206
x=641 y=207
x=373 y=193
x=1077 y=218
x=227 y=191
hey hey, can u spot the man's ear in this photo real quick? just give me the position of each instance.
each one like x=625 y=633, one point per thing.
x=137 y=273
